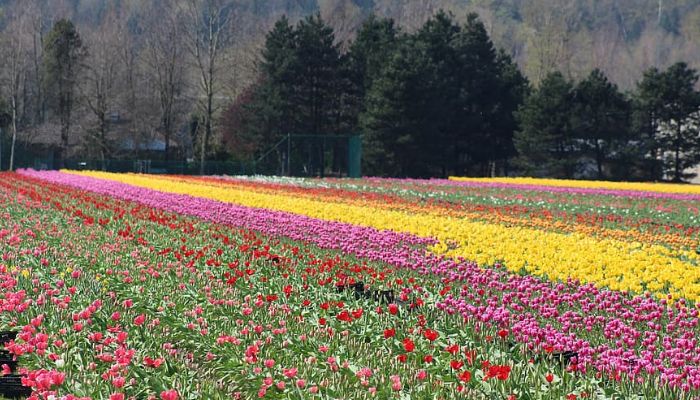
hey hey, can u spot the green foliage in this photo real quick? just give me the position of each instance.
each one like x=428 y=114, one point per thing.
x=365 y=59
x=5 y=114
x=444 y=101
x=670 y=98
x=545 y=141
x=62 y=61
x=63 y=52
x=302 y=90
x=601 y=118
x=665 y=115
x=645 y=123
x=394 y=122
x=317 y=64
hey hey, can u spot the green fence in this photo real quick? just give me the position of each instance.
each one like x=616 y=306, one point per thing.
x=313 y=155
x=294 y=155
x=162 y=167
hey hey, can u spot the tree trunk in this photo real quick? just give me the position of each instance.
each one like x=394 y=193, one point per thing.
x=39 y=112
x=103 y=140
x=203 y=148
x=65 y=128
x=677 y=174
x=207 y=129
x=14 y=133
x=167 y=145
x=599 y=158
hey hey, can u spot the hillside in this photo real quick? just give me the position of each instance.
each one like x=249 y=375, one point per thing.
x=621 y=37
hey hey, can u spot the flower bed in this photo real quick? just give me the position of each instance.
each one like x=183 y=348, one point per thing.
x=118 y=289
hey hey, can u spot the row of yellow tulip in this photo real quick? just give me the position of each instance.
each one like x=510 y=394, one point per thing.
x=584 y=184
x=676 y=240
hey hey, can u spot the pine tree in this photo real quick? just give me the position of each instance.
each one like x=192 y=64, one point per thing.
x=366 y=56
x=396 y=128
x=271 y=104
x=646 y=105
x=601 y=117
x=442 y=112
x=666 y=114
x=512 y=89
x=63 y=55
x=679 y=104
x=545 y=141
x=490 y=90
x=318 y=62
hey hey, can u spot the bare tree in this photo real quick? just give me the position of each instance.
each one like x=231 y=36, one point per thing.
x=37 y=46
x=208 y=34
x=164 y=60
x=99 y=86
x=549 y=36
x=129 y=50
x=16 y=59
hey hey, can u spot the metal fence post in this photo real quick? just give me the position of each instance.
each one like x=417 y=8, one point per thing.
x=289 y=154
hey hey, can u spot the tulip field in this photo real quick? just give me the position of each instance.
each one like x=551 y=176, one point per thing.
x=128 y=286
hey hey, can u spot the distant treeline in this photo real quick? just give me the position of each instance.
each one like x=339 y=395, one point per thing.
x=444 y=101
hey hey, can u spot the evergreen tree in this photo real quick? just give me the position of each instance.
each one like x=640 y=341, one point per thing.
x=601 y=118
x=679 y=103
x=63 y=55
x=5 y=121
x=442 y=114
x=300 y=91
x=316 y=97
x=396 y=129
x=318 y=62
x=271 y=103
x=545 y=140
x=366 y=56
x=452 y=110
x=490 y=89
x=645 y=123
x=513 y=87
x=665 y=115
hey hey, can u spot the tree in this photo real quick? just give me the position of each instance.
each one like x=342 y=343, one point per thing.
x=438 y=41
x=487 y=88
x=208 y=34
x=265 y=112
x=395 y=128
x=678 y=104
x=512 y=89
x=318 y=61
x=545 y=141
x=451 y=109
x=316 y=95
x=365 y=58
x=101 y=71
x=646 y=121
x=164 y=53
x=301 y=88
x=32 y=8
x=279 y=68
x=5 y=121
x=62 y=62
x=240 y=125
x=601 y=113
x=16 y=64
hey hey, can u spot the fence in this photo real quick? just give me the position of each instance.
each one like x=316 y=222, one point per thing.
x=163 y=167
x=313 y=155
x=294 y=155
